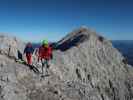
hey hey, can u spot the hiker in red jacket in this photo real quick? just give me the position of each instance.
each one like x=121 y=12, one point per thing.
x=45 y=54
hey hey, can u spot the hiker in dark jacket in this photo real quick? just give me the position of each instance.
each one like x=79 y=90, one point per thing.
x=29 y=51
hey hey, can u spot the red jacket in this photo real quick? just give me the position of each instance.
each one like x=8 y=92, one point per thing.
x=45 y=52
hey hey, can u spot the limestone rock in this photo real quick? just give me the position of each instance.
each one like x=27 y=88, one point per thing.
x=10 y=46
x=85 y=66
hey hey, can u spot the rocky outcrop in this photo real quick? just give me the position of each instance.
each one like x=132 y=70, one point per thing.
x=85 y=66
x=10 y=46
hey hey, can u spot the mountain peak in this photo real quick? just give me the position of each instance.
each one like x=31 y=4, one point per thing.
x=75 y=38
x=84 y=30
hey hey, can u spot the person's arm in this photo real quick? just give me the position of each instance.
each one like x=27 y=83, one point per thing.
x=32 y=50
x=25 y=50
x=50 y=53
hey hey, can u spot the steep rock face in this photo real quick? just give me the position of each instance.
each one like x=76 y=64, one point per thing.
x=85 y=66
x=10 y=46
x=96 y=63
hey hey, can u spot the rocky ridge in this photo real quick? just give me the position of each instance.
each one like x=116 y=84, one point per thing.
x=85 y=66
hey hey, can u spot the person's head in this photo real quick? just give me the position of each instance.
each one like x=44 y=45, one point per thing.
x=29 y=44
x=45 y=43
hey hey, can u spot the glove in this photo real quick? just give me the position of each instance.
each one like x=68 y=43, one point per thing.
x=51 y=56
x=48 y=66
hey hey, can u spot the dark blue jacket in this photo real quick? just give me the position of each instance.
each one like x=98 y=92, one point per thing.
x=29 y=50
